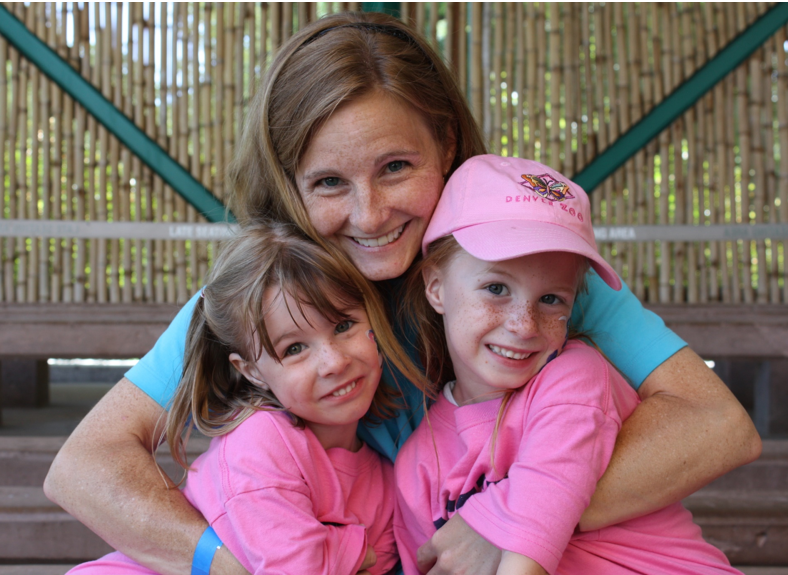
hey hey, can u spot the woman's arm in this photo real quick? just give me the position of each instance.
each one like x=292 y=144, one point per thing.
x=688 y=430
x=106 y=477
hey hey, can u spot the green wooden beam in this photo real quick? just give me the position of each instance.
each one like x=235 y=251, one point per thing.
x=390 y=8
x=682 y=98
x=148 y=151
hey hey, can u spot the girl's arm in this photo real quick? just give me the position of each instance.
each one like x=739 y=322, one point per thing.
x=688 y=430
x=516 y=564
x=106 y=477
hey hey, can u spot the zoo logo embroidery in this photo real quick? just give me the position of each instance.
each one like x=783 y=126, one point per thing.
x=547 y=187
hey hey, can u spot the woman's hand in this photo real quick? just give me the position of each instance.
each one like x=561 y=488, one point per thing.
x=106 y=477
x=688 y=431
x=457 y=549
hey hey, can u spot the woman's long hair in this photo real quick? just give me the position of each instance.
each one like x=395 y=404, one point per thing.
x=330 y=62
x=229 y=318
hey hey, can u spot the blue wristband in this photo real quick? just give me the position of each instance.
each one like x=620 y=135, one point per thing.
x=207 y=547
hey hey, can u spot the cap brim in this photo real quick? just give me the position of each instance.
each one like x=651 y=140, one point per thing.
x=509 y=239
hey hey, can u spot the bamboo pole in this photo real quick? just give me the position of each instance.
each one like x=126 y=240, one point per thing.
x=56 y=41
x=31 y=281
x=5 y=268
x=496 y=90
x=771 y=135
x=510 y=75
x=529 y=123
x=519 y=130
x=287 y=21
x=477 y=86
x=81 y=31
x=688 y=25
x=486 y=63
x=179 y=141
x=44 y=190
x=556 y=77
x=433 y=35
x=113 y=208
x=759 y=180
x=149 y=113
x=21 y=249
x=570 y=70
x=782 y=179
x=122 y=204
x=540 y=117
x=137 y=182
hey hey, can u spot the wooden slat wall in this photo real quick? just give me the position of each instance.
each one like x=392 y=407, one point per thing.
x=557 y=83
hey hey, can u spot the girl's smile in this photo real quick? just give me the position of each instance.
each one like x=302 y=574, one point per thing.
x=504 y=320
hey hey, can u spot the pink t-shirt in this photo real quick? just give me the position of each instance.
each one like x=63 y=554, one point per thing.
x=553 y=445
x=282 y=504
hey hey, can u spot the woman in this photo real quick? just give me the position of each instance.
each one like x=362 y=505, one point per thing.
x=351 y=136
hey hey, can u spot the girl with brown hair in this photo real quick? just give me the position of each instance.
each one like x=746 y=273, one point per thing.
x=284 y=356
x=351 y=135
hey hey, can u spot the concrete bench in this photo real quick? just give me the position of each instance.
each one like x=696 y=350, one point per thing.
x=40 y=331
x=32 y=333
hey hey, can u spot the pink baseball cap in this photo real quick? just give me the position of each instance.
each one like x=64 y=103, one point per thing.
x=502 y=208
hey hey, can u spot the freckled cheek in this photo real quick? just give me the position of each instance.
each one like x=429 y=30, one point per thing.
x=327 y=215
x=421 y=196
x=554 y=328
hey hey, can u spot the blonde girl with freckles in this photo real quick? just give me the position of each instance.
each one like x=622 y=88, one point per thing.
x=526 y=414
x=351 y=136
x=281 y=364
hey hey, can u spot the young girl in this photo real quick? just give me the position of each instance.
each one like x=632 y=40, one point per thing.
x=519 y=399
x=281 y=364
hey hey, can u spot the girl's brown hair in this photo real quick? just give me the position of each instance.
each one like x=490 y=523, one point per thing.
x=330 y=62
x=229 y=318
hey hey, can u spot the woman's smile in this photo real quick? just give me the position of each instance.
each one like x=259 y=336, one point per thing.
x=383 y=240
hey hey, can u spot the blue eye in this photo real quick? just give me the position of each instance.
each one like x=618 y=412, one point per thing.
x=330 y=182
x=344 y=326
x=497 y=289
x=550 y=299
x=396 y=166
x=294 y=349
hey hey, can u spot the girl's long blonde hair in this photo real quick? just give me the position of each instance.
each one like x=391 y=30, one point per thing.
x=212 y=395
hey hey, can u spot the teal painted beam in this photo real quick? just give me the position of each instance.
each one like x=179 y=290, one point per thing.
x=390 y=8
x=684 y=97
x=148 y=151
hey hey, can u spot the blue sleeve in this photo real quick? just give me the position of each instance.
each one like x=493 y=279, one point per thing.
x=159 y=372
x=633 y=338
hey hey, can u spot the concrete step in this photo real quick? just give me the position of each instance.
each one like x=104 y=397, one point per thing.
x=32 y=528
x=744 y=513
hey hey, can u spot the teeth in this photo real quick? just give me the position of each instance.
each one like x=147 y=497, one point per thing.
x=508 y=352
x=344 y=390
x=382 y=240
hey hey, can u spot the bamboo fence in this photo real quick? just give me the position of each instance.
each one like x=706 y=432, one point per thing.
x=553 y=82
